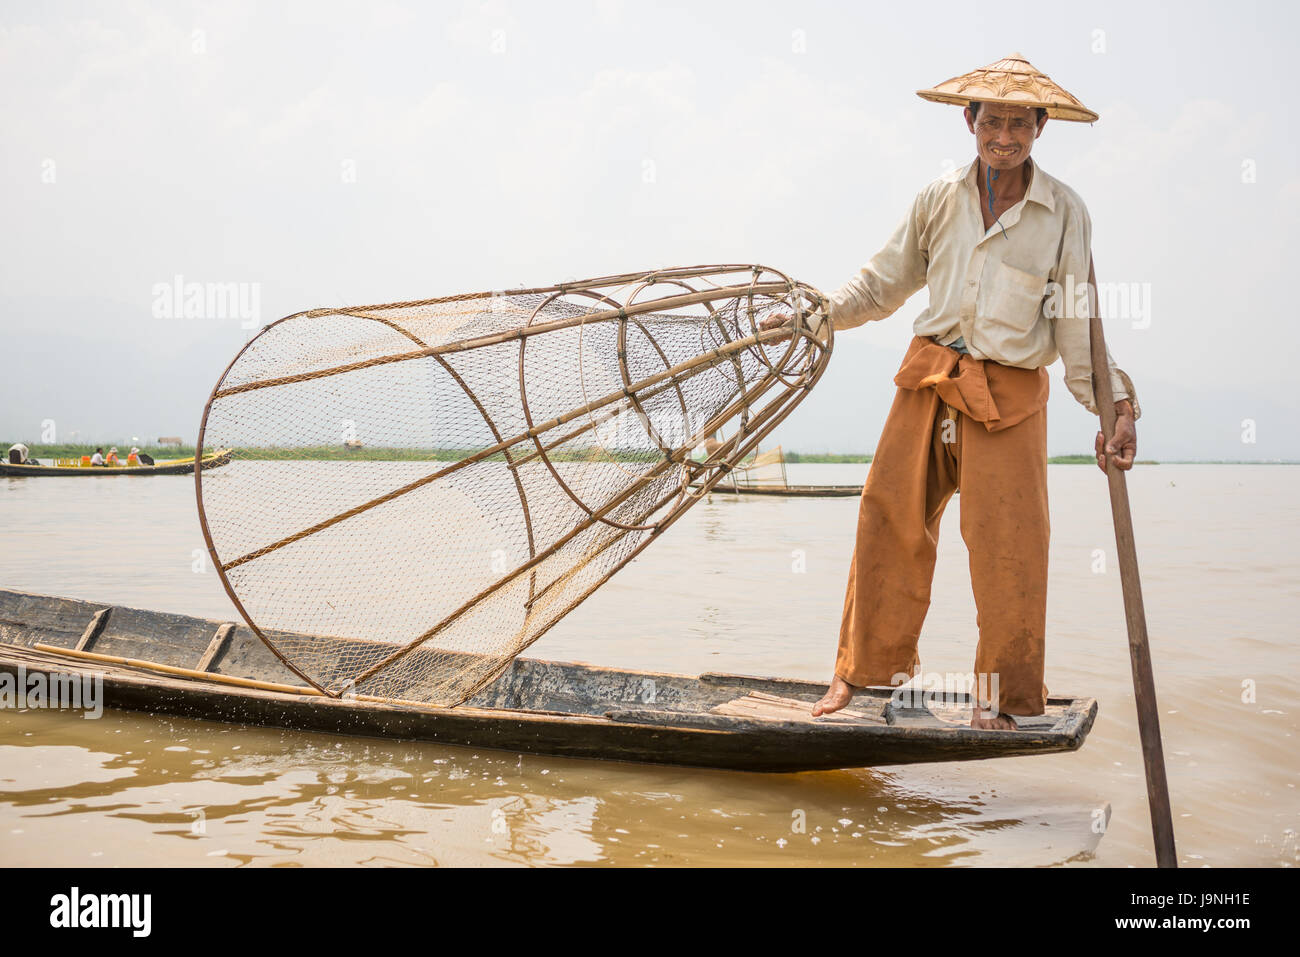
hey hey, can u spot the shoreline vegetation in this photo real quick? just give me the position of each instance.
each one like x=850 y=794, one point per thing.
x=381 y=454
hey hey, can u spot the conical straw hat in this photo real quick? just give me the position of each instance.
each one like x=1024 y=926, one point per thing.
x=1014 y=81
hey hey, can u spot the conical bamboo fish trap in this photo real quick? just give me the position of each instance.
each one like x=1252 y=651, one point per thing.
x=439 y=482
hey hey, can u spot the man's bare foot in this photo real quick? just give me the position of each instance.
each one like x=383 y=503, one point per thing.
x=837 y=696
x=998 y=722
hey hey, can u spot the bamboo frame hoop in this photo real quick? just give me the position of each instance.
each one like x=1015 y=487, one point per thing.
x=478 y=506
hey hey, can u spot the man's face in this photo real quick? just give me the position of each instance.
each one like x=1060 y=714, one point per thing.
x=1004 y=135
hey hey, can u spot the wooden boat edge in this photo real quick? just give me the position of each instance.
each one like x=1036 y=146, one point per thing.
x=737 y=745
x=792 y=491
x=172 y=467
x=742 y=748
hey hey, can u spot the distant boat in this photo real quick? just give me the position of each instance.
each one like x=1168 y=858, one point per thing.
x=163 y=663
x=68 y=467
x=765 y=475
x=791 y=491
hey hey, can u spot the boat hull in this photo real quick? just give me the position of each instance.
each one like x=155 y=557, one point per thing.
x=791 y=491
x=185 y=467
x=732 y=722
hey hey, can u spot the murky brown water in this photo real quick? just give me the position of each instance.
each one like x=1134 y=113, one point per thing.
x=1221 y=576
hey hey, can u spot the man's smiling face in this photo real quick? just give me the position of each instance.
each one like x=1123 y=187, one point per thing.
x=1004 y=135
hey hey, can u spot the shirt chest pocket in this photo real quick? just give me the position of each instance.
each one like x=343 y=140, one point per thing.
x=1012 y=297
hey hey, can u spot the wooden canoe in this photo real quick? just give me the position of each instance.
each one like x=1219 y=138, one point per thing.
x=173 y=664
x=791 y=491
x=165 y=467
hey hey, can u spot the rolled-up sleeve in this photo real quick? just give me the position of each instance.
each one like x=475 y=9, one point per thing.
x=1071 y=326
x=892 y=275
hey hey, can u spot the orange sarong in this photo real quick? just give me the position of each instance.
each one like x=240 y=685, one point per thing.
x=957 y=423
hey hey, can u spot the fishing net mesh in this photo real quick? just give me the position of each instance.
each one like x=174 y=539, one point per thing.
x=416 y=492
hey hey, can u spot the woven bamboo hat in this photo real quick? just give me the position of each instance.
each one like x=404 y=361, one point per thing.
x=1014 y=81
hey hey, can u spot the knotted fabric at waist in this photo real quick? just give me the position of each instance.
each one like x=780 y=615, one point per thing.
x=998 y=396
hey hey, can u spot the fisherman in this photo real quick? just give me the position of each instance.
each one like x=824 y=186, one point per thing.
x=1006 y=251
x=98 y=457
x=112 y=456
x=133 y=457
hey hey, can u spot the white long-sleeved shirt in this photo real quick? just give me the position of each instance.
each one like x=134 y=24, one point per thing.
x=1015 y=297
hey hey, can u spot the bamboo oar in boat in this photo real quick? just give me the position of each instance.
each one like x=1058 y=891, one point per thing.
x=1144 y=683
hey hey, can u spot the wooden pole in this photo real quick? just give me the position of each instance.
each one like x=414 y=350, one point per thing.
x=1144 y=683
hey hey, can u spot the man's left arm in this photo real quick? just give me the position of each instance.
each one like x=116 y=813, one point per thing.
x=1123 y=444
x=1073 y=336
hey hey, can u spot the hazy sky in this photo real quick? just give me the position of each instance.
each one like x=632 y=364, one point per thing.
x=334 y=153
